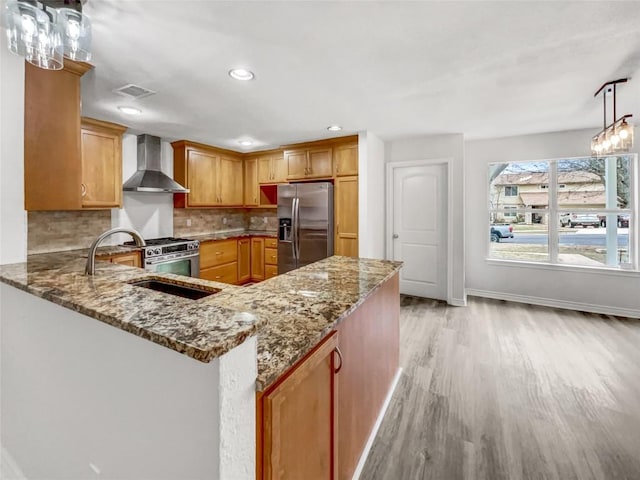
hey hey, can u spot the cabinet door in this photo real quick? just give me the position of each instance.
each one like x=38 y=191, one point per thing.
x=101 y=153
x=202 y=174
x=230 y=181
x=257 y=258
x=345 y=159
x=51 y=139
x=296 y=161
x=244 y=260
x=346 y=216
x=299 y=419
x=251 y=189
x=320 y=163
x=279 y=168
x=265 y=172
x=227 y=273
x=129 y=259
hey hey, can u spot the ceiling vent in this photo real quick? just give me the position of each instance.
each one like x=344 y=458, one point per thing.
x=134 y=91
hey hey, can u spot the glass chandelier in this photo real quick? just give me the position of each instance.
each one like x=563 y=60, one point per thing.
x=618 y=136
x=43 y=34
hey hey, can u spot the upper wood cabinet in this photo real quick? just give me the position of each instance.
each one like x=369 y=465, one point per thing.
x=52 y=149
x=272 y=168
x=300 y=419
x=101 y=158
x=251 y=187
x=231 y=182
x=213 y=176
x=346 y=216
x=345 y=159
x=309 y=163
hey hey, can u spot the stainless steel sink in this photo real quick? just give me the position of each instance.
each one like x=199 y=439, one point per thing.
x=193 y=292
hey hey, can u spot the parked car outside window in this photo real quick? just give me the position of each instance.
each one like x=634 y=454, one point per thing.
x=498 y=232
x=583 y=220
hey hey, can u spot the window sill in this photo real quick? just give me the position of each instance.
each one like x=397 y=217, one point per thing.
x=564 y=268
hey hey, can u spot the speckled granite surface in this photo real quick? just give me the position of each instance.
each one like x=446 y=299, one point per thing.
x=303 y=306
x=290 y=313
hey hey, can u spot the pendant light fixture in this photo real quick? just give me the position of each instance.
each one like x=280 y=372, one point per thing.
x=617 y=136
x=43 y=34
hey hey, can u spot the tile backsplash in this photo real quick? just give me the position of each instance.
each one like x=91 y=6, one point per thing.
x=203 y=220
x=256 y=219
x=58 y=231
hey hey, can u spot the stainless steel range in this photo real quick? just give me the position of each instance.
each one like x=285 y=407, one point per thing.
x=172 y=255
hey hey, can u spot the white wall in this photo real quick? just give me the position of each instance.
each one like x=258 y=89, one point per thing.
x=442 y=147
x=580 y=288
x=13 y=217
x=75 y=391
x=151 y=214
x=371 y=203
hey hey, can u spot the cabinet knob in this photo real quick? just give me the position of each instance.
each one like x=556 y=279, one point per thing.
x=218 y=253
x=395 y=235
x=218 y=276
x=83 y=189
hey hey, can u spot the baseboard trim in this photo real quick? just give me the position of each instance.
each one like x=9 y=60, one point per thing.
x=376 y=426
x=457 y=302
x=551 y=302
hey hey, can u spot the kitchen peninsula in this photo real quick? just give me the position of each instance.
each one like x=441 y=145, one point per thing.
x=88 y=400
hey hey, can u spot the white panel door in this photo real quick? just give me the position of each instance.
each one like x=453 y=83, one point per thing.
x=420 y=229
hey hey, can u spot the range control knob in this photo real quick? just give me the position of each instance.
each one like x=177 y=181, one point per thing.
x=157 y=251
x=148 y=252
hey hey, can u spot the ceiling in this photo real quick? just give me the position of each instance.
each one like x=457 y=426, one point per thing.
x=398 y=69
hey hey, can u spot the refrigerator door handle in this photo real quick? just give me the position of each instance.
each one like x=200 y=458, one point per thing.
x=294 y=229
x=297 y=227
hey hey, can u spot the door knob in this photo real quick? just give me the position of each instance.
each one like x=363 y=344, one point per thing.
x=395 y=235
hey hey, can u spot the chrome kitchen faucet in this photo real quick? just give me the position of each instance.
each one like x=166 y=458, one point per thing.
x=90 y=269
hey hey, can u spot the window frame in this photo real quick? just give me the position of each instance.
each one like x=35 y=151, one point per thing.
x=554 y=211
x=511 y=187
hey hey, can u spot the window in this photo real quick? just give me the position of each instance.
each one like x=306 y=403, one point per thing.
x=511 y=191
x=576 y=211
x=511 y=212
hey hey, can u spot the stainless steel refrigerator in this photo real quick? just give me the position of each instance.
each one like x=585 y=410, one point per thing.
x=305 y=222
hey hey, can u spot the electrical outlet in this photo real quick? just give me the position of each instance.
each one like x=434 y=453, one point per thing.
x=188 y=222
x=264 y=219
x=224 y=220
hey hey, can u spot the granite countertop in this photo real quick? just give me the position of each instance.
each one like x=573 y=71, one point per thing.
x=224 y=235
x=289 y=313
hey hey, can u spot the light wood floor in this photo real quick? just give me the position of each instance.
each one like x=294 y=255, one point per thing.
x=500 y=390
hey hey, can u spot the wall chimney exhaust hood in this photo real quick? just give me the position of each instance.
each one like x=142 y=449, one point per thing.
x=149 y=177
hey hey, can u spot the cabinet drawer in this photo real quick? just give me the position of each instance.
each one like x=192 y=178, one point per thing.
x=218 y=252
x=224 y=273
x=270 y=271
x=271 y=256
x=271 y=242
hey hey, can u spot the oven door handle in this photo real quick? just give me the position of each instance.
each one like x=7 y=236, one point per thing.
x=155 y=261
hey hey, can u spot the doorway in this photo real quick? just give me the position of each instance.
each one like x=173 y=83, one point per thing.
x=417 y=225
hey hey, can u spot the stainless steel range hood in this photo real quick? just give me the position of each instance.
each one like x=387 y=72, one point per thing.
x=149 y=177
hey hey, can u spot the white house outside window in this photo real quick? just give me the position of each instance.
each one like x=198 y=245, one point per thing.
x=575 y=211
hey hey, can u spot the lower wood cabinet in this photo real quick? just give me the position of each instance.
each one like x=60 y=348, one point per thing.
x=257 y=258
x=315 y=421
x=299 y=419
x=219 y=260
x=244 y=260
x=132 y=259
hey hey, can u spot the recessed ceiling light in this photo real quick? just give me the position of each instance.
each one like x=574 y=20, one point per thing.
x=334 y=128
x=241 y=74
x=245 y=143
x=130 y=110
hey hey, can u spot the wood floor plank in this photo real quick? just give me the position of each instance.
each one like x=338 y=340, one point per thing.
x=500 y=390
